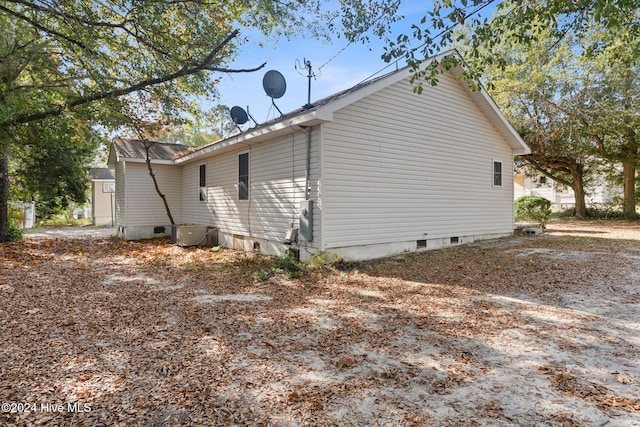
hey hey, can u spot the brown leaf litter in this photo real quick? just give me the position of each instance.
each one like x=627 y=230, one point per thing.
x=531 y=330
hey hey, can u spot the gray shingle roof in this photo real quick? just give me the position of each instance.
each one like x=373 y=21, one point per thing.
x=102 y=173
x=135 y=149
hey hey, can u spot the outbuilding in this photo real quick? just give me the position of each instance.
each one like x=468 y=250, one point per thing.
x=103 y=187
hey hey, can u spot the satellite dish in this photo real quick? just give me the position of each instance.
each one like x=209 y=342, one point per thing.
x=239 y=116
x=274 y=84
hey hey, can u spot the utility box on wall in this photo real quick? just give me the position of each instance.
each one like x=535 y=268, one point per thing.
x=306 y=219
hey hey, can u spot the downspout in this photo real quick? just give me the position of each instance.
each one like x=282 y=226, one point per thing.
x=307 y=169
x=307 y=172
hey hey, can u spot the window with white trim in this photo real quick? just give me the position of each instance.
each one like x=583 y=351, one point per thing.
x=497 y=174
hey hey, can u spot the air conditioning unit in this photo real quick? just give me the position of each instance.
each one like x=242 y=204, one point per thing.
x=190 y=234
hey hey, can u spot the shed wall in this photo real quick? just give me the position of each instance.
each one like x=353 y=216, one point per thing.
x=121 y=212
x=102 y=202
x=142 y=204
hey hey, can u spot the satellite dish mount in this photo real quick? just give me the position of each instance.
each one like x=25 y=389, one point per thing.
x=274 y=86
x=239 y=116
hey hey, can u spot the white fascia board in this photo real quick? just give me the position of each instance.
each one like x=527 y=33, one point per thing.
x=311 y=118
x=153 y=161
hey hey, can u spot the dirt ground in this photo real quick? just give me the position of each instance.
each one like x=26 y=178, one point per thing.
x=531 y=331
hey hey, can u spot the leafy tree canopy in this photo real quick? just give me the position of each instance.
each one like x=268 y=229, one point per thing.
x=60 y=54
x=137 y=63
x=50 y=163
x=516 y=22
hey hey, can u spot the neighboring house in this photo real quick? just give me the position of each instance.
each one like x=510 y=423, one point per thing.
x=372 y=171
x=600 y=192
x=560 y=196
x=103 y=185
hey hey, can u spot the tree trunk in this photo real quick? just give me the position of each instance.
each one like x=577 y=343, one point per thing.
x=565 y=165
x=4 y=198
x=579 y=194
x=152 y=173
x=629 y=180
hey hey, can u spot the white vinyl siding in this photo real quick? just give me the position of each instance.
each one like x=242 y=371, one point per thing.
x=277 y=180
x=143 y=205
x=121 y=212
x=398 y=166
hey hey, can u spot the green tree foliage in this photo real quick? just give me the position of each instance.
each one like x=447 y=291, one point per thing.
x=516 y=23
x=60 y=54
x=113 y=62
x=540 y=89
x=611 y=102
x=533 y=208
x=51 y=162
x=209 y=127
x=575 y=104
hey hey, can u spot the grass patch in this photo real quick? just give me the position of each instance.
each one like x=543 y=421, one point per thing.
x=285 y=265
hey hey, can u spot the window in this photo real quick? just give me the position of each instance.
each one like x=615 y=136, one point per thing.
x=243 y=176
x=203 y=183
x=108 y=187
x=497 y=174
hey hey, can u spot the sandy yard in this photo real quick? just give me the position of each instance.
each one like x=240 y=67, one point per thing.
x=532 y=331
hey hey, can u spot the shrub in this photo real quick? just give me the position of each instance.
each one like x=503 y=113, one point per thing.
x=13 y=225
x=533 y=208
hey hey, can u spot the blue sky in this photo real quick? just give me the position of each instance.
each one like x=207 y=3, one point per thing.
x=352 y=65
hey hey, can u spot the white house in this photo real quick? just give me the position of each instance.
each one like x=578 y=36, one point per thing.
x=598 y=192
x=371 y=171
x=560 y=196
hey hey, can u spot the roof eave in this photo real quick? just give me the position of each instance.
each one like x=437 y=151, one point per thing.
x=139 y=160
x=306 y=119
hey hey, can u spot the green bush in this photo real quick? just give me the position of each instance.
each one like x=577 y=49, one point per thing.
x=533 y=208
x=13 y=226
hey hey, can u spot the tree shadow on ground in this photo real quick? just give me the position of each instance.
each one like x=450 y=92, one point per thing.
x=470 y=334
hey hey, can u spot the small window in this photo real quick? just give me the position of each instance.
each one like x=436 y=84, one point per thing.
x=497 y=174
x=108 y=187
x=243 y=176
x=203 y=183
